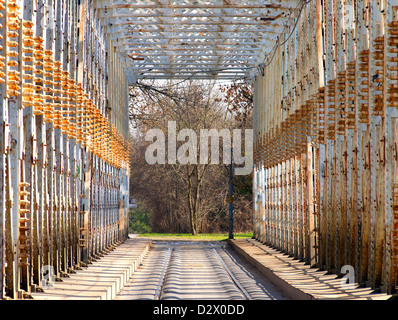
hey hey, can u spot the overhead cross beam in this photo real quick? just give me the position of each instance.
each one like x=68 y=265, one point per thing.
x=180 y=39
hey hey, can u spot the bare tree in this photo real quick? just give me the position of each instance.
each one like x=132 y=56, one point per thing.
x=182 y=197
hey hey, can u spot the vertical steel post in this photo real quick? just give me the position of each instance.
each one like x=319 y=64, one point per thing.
x=3 y=161
x=231 y=199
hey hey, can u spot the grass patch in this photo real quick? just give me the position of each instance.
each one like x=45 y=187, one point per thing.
x=202 y=236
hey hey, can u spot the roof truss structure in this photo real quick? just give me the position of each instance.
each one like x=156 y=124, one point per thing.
x=195 y=39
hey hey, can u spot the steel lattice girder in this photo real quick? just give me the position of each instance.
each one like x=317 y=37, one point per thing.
x=223 y=39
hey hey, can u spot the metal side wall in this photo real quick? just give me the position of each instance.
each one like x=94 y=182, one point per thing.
x=64 y=143
x=325 y=124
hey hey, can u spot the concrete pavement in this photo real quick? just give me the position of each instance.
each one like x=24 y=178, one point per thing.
x=295 y=278
x=103 y=279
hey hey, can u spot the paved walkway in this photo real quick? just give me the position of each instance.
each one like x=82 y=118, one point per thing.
x=298 y=279
x=103 y=279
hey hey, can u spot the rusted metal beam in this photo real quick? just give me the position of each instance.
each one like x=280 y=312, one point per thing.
x=47 y=138
x=348 y=179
